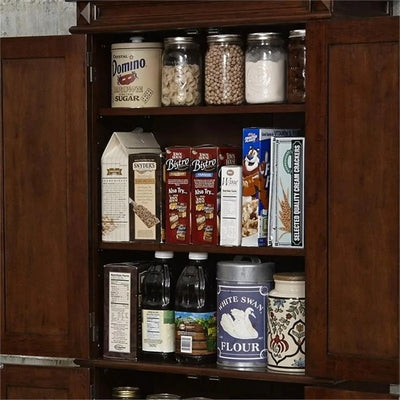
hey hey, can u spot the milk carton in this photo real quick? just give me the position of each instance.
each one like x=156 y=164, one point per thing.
x=115 y=182
x=256 y=153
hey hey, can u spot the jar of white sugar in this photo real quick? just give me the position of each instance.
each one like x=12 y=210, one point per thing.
x=265 y=68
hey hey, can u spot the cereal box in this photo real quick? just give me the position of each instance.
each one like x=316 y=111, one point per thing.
x=206 y=162
x=115 y=185
x=177 y=194
x=231 y=205
x=256 y=149
x=286 y=224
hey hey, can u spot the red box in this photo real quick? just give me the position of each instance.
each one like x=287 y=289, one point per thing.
x=205 y=165
x=177 y=194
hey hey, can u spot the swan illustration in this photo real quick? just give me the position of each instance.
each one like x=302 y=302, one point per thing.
x=238 y=325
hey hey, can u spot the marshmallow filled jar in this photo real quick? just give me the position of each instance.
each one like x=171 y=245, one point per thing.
x=265 y=68
x=224 y=70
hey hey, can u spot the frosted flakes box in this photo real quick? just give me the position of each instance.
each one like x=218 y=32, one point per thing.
x=115 y=184
x=256 y=159
x=286 y=224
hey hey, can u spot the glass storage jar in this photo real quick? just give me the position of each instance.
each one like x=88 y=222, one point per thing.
x=265 y=68
x=296 y=88
x=224 y=70
x=181 y=77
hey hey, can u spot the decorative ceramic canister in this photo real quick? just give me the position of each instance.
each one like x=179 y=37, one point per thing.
x=286 y=324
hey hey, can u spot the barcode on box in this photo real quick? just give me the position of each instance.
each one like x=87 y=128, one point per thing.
x=186 y=344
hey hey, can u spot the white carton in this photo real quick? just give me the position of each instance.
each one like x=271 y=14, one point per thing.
x=115 y=181
x=231 y=205
x=286 y=222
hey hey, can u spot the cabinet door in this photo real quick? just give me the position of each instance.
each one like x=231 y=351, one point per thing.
x=43 y=199
x=31 y=382
x=329 y=393
x=352 y=204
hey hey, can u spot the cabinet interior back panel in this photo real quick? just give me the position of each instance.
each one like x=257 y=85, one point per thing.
x=363 y=228
x=35 y=196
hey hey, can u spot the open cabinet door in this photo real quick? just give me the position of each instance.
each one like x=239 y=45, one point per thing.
x=43 y=199
x=352 y=200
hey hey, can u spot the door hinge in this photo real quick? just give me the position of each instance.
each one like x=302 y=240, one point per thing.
x=93 y=327
x=91 y=69
x=92 y=392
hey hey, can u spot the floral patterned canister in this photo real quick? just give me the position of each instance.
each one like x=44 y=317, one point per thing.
x=286 y=324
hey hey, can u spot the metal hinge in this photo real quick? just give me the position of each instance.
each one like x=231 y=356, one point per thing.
x=394 y=390
x=91 y=69
x=92 y=392
x=93 y=327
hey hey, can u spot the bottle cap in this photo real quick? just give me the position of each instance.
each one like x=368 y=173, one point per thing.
x=164 y=254
x=198 y=256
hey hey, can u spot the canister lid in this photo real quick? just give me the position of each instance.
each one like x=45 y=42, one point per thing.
x=139 y=45
x=224 y=38
x=164 y=254
x=126 y=392
x=161 y=396
x=263 y=36
x=197 y=256
x=297 y=33
x=245 y=271
x=290 y=276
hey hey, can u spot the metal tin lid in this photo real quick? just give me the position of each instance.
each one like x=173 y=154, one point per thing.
x=139 y=45
x=126 y=392
x=225 y=38
x=161 y=396
x=290 y=276
x=179 y=40
x=263 y=36
x=297 y=33
x=245 y=271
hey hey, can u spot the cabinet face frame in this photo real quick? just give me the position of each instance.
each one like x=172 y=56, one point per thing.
x=344 y=294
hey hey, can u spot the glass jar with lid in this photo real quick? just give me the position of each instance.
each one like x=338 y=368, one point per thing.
x=224 y=70
x=265 y=68
x=296 y=86
x=181 y=78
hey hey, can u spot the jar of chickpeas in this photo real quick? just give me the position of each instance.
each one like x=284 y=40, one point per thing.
x=181 y=77
x=224 y=70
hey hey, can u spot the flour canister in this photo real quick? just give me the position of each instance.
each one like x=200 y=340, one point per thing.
x=136 y=74
x=286 y=323
x=242 y=291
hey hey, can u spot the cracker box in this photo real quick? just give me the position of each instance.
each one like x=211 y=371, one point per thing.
x=205 y=165
x=122 y=309
x=256 y=151
x=286 y=225
x=115 y=184
x=145 y=196
x=231 y=206
x=177 y=194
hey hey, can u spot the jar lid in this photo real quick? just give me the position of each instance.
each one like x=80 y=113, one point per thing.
x=290 y=276
x=263 y=36
x=121 y=392
x=137 y=45
x=164 y=254
x=244 y=271
x=224 y=38
x=197 y=256
x=179 y=40
x=160 y=396
x=297 y=33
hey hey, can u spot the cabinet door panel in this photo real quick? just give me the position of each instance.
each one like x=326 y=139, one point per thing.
x=352 y=200
x=44 y=197
x=31 y=382
x=328 y=393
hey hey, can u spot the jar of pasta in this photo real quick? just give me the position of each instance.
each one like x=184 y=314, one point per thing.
x=224 y=70
x=181 y=78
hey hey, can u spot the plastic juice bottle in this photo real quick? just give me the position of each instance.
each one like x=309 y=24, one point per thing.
x=195 y=312
x=158 y=328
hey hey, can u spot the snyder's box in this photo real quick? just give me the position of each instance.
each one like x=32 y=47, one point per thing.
x=177 y=194
x=121 y=201
x=122 y=309
x=256 y=159
x=205 y=164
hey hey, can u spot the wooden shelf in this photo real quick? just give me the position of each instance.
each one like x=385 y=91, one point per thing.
x=184 y=248
x=202 y=370
x=204 y=110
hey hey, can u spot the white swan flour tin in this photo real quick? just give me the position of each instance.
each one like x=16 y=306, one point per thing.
x=242 y=299
x=136 y=74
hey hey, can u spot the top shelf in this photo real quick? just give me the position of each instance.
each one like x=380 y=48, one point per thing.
x=204 y=110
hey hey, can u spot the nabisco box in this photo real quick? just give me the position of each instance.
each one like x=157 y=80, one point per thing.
x=256 y=159
x=206 y=162
x=115 y=201
x=177 y=194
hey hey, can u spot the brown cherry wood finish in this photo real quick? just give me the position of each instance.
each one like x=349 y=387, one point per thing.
x=352 y=209
x=318 y=392
x=32 y=382
x=44 y=247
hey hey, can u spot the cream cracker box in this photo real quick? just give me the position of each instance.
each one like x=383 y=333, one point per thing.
x=115 y=183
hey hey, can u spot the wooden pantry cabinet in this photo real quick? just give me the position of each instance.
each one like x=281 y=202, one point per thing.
x=52 y=275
